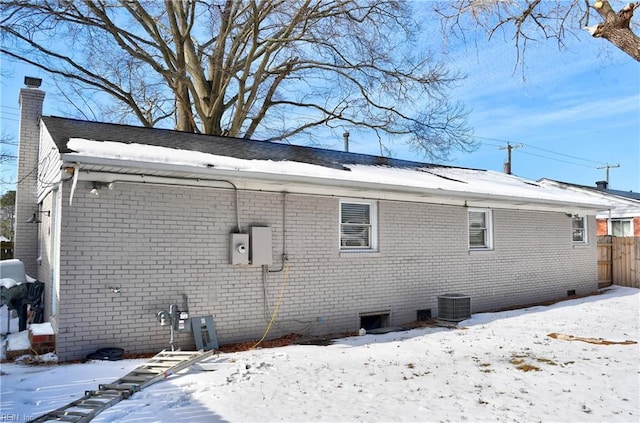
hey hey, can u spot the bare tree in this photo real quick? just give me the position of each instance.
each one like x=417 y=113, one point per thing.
x=548 y=19
x=7 y=212
x=273 y=69
x=7 y=154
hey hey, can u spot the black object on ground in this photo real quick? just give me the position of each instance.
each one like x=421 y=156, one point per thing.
x=107 y=354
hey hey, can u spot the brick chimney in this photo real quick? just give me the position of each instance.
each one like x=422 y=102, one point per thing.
x=26 y=235
x=602 y=184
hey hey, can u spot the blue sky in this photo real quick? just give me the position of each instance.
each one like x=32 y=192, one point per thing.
x=573 y=110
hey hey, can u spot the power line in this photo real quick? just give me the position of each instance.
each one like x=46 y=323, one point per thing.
x=558 y=160
x=542 y=149
x=564 y=155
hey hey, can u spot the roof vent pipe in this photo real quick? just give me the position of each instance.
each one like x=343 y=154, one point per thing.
x=601 y=184
x=346 y=141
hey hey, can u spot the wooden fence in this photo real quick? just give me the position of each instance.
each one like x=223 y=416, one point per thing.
x=6 y=250
x=619 y=261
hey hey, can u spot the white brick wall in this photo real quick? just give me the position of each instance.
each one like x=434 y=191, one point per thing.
x=157 y=243
x=26 y=236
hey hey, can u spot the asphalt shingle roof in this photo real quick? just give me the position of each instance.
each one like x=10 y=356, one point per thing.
x=62 y=129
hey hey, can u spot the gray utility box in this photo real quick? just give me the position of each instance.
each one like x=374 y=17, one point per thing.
x=239 y=248
x=454 y=307
x=261 y=248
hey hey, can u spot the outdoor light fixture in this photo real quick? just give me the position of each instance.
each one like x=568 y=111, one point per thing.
x=94 y=191
x=34 y=218
x=97 y=186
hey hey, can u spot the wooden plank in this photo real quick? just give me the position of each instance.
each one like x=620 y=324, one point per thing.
x=626 y=257
x=605 y=268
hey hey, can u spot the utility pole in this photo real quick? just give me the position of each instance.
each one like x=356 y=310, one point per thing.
x=608 y=166
x=507 y=164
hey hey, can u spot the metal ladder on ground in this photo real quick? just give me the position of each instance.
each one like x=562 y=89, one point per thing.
x=161 y=366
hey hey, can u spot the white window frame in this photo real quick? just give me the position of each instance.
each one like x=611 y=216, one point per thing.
x=583 y=229
x=630 y=220
x=488 y=229
x=373 y=225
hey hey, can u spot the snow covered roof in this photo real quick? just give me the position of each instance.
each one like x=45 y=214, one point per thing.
x=621 y=203
x=122 y=149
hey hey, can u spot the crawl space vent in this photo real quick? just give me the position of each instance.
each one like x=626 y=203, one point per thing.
x=454 y=307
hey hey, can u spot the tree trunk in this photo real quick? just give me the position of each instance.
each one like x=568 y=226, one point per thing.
x=184 y=117
x=623 y=38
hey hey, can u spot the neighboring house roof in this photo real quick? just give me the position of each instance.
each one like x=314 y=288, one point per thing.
x=621 y=203
x=615 y=192
x=122 y=149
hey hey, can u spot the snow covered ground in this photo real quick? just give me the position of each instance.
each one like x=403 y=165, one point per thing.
x=495 y=366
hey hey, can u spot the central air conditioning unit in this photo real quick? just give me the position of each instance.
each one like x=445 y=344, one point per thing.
x=454 y=307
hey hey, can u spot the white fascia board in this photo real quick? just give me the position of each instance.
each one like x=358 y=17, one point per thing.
x=301 y=184
x=616 y=214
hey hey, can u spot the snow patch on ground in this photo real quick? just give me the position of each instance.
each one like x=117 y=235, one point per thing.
x=493 y=367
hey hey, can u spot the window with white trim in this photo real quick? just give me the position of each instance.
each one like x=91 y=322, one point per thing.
x=579 y=229
x=621 y=227
x=358 y=223
x=480 y=229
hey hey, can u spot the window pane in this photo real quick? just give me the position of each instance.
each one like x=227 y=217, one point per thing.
x=355 y=236
x=626 y=228
x=578 y=235
x=477 y=238
x=616 y=228
x=477 y=220
x=355 y=213
x=621 y=228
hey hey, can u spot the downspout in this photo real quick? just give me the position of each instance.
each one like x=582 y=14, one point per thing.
x=74 y=183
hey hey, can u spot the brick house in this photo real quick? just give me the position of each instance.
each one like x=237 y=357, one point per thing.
x=132 y=220
x=622 y=215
